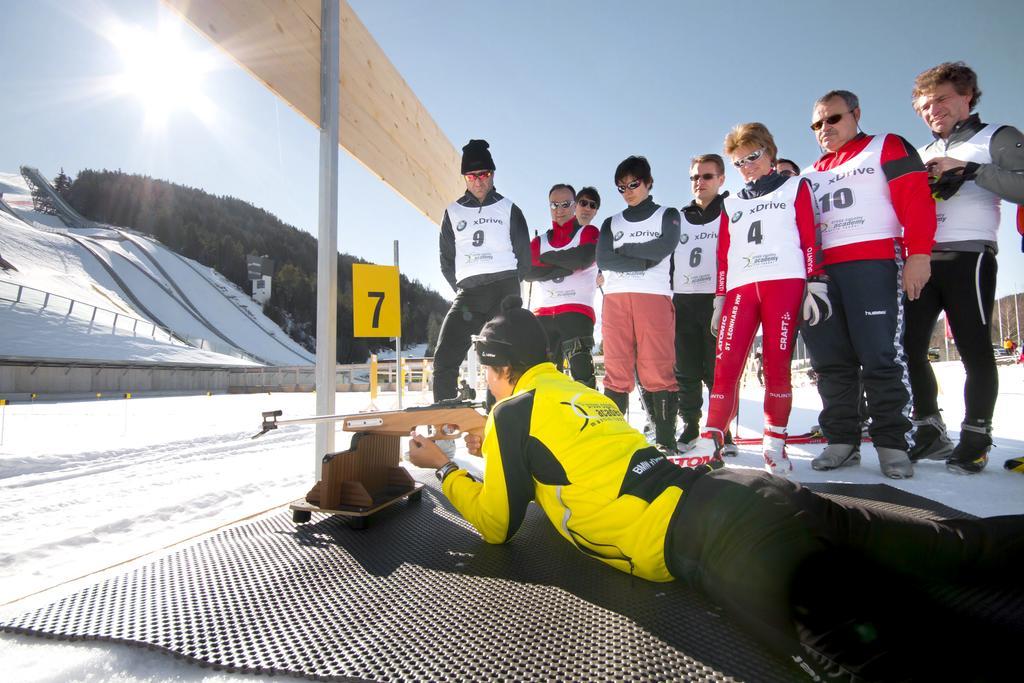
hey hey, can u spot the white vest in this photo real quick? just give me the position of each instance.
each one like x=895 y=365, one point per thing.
x=483 y=243
x=577 y=288
x=973 y=212
x=853 y=200
x=654 y=280
x=696 y=258
x=764 y=241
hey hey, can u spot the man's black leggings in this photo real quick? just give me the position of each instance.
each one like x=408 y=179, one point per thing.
x=695 y=350
x=570 y=340
x=471 y=309
x=963 y=284
x=840 y=585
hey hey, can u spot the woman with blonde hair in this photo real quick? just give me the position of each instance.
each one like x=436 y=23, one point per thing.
x=766 y=253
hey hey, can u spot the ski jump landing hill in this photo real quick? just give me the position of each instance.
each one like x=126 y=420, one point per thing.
x=73 y=291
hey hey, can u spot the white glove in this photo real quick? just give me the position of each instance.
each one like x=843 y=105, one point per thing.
x=716 y=315
x=815 y=299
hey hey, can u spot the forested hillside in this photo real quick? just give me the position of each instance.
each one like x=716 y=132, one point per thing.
x=221 y=231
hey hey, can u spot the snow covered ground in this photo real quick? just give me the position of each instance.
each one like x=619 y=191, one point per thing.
x=87 y=489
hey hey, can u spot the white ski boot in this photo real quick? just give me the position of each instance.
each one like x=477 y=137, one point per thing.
x=773 y=448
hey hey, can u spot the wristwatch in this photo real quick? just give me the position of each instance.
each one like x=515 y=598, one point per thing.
x=444 y=470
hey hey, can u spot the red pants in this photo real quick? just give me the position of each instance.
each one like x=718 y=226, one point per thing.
x=775 y=306
x=639 y=331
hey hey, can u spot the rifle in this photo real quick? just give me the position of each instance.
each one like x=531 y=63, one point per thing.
x=368 y=477
x=450 y=419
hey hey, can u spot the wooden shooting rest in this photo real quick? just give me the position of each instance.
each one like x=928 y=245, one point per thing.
x=360 y=481
x=368 y=477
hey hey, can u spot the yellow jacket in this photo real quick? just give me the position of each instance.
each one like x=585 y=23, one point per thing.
x=567 y=447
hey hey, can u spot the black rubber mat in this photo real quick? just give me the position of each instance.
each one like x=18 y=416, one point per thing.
x=885 y=497
x=415 y=597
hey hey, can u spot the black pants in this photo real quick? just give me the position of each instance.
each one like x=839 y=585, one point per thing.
x=862 y=343
x=963 y=284
x=842 y=585
x=470 y=310
x=695 y=351
x=571 y=338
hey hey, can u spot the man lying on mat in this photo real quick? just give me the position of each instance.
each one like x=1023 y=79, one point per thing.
x=838 y=588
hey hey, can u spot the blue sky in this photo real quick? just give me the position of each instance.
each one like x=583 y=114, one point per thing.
x=562 y=90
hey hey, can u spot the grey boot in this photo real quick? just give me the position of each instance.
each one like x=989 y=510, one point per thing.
x=837 y=455
x=894 y=463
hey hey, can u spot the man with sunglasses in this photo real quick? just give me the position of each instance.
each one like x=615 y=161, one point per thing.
x=693 y=284
x=588 y=201
x=877 y=226
x=565 y=276
x=634 y=250
x=787 y=168
x=485 y=248
x=764 y=548
x=972 y=166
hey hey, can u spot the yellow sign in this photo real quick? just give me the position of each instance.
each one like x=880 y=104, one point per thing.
x=376 y=307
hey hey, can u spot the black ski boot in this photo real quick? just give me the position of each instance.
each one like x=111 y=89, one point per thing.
x=930 y=439
x=691 y=432
x=971 y=455
x=647 y=401
x=729 y=448
x=662 y=406
x=620 y=399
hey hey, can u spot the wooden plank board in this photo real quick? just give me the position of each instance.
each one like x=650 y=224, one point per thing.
x=302 y=505
x=382 y=123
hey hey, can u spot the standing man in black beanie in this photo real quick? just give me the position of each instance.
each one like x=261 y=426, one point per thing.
x=485 y=249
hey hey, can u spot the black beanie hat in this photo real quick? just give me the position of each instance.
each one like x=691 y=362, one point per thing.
x=475 y=157
x=513 y=338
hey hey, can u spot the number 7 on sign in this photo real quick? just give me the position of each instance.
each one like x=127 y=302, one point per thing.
x=376 y=306
x=379 y=296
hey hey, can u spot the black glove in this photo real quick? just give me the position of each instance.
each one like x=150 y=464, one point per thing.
x=947 y=184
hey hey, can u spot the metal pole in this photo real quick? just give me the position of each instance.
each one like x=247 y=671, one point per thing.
x=999 y=313
x=398 y=347
x=1016 y=315
x=327 y=232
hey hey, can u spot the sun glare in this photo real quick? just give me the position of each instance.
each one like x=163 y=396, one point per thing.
x=162 y=72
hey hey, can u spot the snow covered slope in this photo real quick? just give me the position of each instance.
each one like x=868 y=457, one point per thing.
x=131 y=274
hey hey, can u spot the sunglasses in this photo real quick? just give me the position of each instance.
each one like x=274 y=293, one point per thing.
x=830 y=120
x=749 y=159
x=703 y=176
x=479 y=175
x=587 y=204
x=562 y=205
x=632 y=186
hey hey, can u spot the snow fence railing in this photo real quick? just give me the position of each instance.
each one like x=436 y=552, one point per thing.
x=100 y=318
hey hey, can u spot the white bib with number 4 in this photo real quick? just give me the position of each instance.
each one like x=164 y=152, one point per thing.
x=764 y=242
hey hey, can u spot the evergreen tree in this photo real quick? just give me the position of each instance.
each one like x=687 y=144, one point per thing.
x=62 y=184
